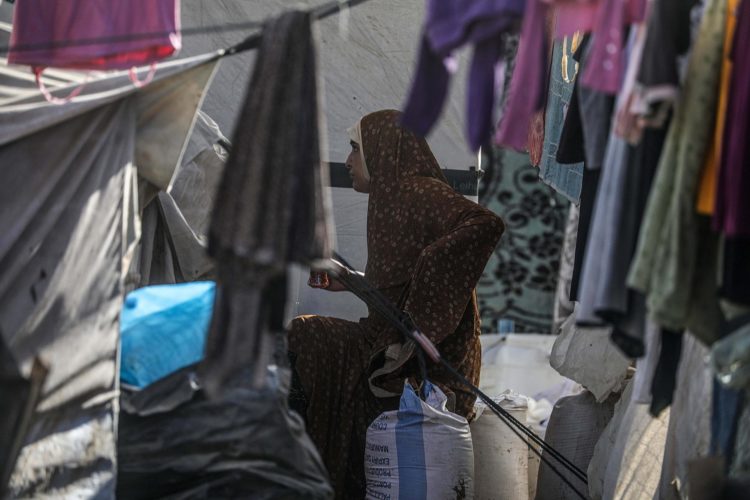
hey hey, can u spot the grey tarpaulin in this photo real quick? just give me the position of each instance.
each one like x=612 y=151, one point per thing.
x=587 y=356
x=68 y=219
x=175 y=223
x=175 y=443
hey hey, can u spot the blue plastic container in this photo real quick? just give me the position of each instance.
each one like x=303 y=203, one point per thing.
x=163 y=328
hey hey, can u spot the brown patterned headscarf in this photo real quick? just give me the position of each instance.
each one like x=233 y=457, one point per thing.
x=396 y=234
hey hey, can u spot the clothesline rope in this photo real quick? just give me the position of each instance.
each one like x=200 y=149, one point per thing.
x=318 y=13
x=360 y=287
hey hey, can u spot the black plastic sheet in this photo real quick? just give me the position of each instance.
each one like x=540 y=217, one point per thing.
x=176 y=443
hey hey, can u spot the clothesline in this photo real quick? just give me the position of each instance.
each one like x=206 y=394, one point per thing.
x=321 y=12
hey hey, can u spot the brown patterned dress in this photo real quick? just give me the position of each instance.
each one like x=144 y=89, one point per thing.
x=427 y=246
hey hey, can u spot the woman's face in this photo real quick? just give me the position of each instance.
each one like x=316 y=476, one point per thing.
x=356 y=169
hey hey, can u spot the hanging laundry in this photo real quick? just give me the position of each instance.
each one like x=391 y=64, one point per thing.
x=628 y=124
x=627 y=173
x=450 y=25
x=566 y=179
x=708 y=185
x=526 y=96
x=56 y=31
x=595 y=16
x=668 y=39
x=671 y=244
x=665 y=374
x=270 y=208
x=587 y=122
x=732 y=215
x=607 y=20
x=604 y=68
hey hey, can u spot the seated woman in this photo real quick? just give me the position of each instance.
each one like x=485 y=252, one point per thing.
x=427 y=246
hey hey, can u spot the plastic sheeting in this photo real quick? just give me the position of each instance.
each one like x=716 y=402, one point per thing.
x=175 y=443
x=587 y=356
x=519 y=362
x=68 y=217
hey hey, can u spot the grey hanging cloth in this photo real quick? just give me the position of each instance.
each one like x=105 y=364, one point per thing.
x=270 y=208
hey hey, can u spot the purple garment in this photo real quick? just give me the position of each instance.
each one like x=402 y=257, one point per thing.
x=41 y=22
x=732 y=216
x=527 y=87
x=604 y=67
x=449 y=25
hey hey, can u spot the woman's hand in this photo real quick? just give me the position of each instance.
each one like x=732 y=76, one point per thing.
x=323 y=281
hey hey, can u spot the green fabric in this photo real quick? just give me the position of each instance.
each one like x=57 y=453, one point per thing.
x=675 y=262
x=520 y=279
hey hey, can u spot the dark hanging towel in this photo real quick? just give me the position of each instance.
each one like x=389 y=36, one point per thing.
x=735 y=282
x=665 y=375
x=270 y=208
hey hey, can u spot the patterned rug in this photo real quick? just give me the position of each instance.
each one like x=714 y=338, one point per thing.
x=521 y=277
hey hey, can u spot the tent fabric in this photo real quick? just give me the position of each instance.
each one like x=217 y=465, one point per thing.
x=68 y=219
x=627 y=458
x=174 y=225
x=689 y=432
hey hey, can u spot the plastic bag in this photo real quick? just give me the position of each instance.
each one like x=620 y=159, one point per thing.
x=176 y=443
x=587 y=356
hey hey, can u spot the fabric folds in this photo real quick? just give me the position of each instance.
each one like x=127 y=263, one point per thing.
x=270 y=207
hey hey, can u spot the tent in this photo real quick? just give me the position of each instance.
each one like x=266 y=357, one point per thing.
x=71 y=224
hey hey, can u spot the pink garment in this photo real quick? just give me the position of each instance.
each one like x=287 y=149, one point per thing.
x=603 y=70
x=526 y=95
x=606 y=20
x=574 y=15
x=43 y=22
